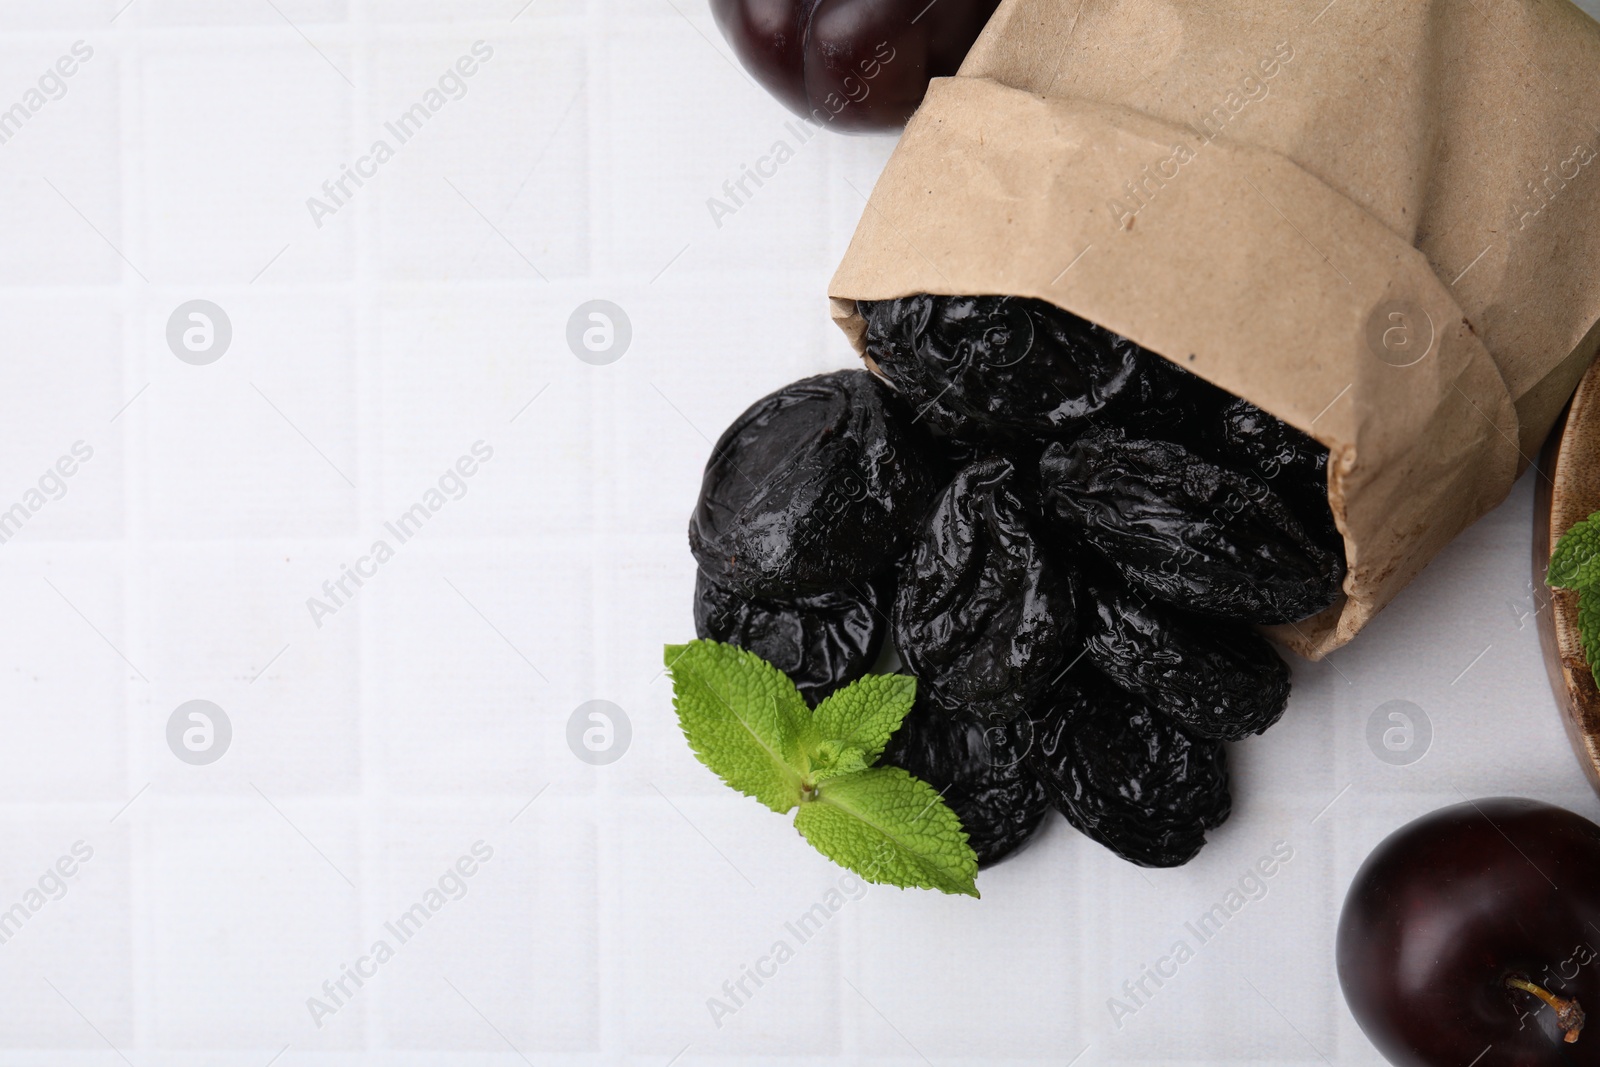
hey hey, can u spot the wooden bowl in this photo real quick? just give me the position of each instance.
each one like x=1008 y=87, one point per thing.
x=1567 y=491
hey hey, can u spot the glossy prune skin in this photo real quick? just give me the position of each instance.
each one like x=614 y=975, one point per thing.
x=1271 y=447
x=1181 y=528
x=1219 y=679
x=1293 y=463
x=1166 y=401
x=822 y=642
x=976 y=366
x=980 y=773
x=851 y=64
x=813 y=489
x=983 y=617
x=1128 y=777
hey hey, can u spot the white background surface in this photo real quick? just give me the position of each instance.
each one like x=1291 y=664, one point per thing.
x=372 y=751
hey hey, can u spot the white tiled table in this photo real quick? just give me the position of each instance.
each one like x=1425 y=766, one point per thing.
x=373 y=751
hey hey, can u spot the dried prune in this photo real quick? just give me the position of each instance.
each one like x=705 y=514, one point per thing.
x=978 y=365
x=980 y=773
x=1272 y=448
x=821 y=642
x=1166 y=401
x=1219 y=679
x=983 y=617
x=1131 y=779
x=1293 y=463
x=812 y=489
x=1202 y=536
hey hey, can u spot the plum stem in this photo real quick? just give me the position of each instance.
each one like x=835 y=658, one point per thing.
x=1569 y=1016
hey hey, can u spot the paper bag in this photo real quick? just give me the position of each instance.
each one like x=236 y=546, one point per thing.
x=1380 y=222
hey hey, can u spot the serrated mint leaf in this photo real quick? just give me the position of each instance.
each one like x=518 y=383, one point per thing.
x=830 y=759
x=1589 y=628
x=864 y=713
x=742 y=717
x=1575 y=564
x=746 y=721
x=892 y=829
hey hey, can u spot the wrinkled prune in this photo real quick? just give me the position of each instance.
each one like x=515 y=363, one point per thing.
x=821 y=642
x=848 y=64
x=1294 y=464
x=1219 y=679
x=982 y=616
x=1181 y=528
x=814 y=488
x=980 y=773
x=1129 y=778
x=977 y=365
x=1167 y=402
x=1272 y=448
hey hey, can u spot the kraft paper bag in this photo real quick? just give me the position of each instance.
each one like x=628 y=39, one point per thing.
x=1379 y=221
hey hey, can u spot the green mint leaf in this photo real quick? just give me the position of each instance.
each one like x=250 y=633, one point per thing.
x=743 y=718
x=1575 y=564
x=746 y=721
x=829 y=759
x=892 y=829
x=863 y=714
x=1589 y=628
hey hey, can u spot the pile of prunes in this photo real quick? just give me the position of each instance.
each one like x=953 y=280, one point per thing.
x=1069 y=541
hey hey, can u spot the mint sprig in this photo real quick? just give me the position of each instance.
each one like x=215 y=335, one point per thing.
x=1575 y=564
x=745 y=720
